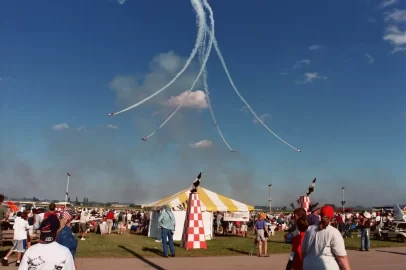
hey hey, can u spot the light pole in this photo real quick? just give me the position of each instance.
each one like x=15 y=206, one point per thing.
x=270 y=198
x=67 y=188
x=343 y=201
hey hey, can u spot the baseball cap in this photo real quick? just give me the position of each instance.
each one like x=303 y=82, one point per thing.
x=49 y=229
x=327 y=211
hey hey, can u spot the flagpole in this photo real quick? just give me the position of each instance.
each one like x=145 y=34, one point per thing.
x=67 y=189
x=343 y=201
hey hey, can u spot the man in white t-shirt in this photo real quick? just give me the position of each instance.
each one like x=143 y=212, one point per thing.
x=48 y=254
x=20 y=239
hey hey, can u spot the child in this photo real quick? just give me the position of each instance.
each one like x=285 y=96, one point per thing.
x=244 y=229
x=302 y=226
x=20 y=239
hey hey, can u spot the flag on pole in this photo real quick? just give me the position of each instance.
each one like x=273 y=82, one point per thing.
x=69 y=174
x=196 y=183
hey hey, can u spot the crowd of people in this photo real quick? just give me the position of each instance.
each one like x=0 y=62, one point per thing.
x=316 y=237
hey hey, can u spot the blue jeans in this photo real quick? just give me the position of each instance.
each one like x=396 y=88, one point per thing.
x=365 y=239
x=167 y=239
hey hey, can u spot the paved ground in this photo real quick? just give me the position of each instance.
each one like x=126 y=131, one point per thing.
x=383 y=258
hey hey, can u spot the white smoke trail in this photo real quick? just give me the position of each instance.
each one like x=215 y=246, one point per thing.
x=205 y=85
x=202 y=48
x=216 y=47
x=201 y=29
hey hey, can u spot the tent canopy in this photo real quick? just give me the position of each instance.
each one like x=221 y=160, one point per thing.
x=210 y=202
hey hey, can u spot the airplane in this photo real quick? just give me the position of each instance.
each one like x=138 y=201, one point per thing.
x=144 y=139
x=232 y=151
x=299 y=150
x=110 y=114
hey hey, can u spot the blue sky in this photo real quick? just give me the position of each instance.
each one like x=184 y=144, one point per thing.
x=329 y=76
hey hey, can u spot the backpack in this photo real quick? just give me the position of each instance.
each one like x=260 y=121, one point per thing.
x=120 y=217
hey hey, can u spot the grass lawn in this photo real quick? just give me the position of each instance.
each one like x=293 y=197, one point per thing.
x=128 y=245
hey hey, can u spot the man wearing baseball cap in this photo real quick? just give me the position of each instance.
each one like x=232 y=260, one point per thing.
x=48 y=254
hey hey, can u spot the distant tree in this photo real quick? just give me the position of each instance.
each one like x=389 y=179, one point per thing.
x=108 y=204
x=132 y=205
x=77 y=201
x=35 y=199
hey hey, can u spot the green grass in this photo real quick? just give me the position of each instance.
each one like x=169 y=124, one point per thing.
x=127 y=245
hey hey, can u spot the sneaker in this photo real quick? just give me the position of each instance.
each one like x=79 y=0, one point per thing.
x=18 y=263
x=361 y=249
x=173 y=255
x=4 y=262
x=83 y=239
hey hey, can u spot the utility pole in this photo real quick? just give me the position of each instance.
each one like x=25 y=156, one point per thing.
x=67 y=189
x=343 y=201
x=270 y=197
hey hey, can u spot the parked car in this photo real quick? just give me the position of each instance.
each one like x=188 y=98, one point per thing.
x=395 y=230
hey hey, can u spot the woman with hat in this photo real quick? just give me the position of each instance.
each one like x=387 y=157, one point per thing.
x=365 y=224
x=323 y=246
x=261 y=230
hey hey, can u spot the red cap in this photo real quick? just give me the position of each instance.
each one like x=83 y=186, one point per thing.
x=327 y=211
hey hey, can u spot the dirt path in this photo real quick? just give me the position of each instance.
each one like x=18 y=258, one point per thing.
x=382 y=258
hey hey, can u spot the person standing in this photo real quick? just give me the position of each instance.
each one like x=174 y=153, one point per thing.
x=261 y=231
x=109 y=221
x=323 y=246
x=167 y=225
x=4 y=214
x=21 y=228
x=120 y=222
x=84 y=219
x=302 y=225
x=65 y=236
x=365 y=225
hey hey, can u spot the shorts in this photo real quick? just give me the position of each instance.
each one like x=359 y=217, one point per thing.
x=261 y=235
x=82 y=227
x=243 y=228
x=19 y=246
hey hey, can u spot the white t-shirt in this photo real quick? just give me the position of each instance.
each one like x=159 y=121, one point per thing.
x=320 y=248
x=47 y=257
x=84 y=217
x=20 y=229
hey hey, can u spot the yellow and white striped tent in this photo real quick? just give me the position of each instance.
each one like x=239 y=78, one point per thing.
x=210 y=202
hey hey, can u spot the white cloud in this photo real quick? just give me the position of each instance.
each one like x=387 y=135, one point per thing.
x=395 y=36
x=314 y=47
x=130 y=89
x=60 y=126
x=283 y=73
x=262 y=117
x=395 y=31
x=111 y=126
x=370 y=58
x=387 y=3
x=202 y=144
x=311 y=76
x=195 y=99
x=398 y=49
x=396 y=16
x=121 y=1
x=301 y=62
x=80 y=128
